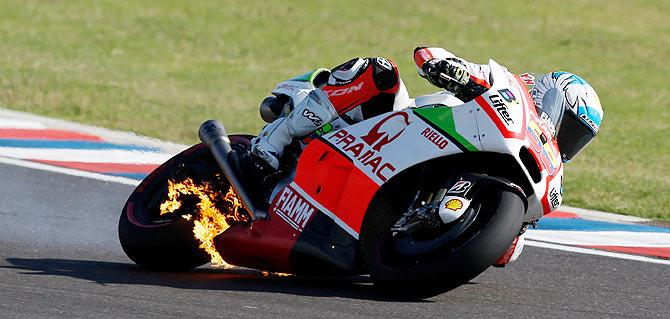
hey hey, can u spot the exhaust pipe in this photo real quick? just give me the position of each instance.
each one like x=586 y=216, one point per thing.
x=213 y=134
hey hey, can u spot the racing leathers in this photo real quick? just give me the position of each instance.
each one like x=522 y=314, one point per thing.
x=357 y=89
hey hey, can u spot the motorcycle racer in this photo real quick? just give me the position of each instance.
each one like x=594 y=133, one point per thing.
x=566 y=102
x=364 y=87
x=404 y=195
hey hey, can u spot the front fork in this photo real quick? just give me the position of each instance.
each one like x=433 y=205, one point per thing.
x=446 y=205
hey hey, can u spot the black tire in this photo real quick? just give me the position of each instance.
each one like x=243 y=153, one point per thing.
x=498 y=222
x=166 y=242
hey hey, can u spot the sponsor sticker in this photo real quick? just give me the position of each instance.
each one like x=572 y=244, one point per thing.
x=452 y=208
x=501 y=108
x=435 y=138
x=508 y=96
x=460 y=187
x=366 y=149
x=546 y=152
x=344 y=91
x=554 y=198
x=588 y=121
x=293 y=208
x=454 y=204
x=527 y=78
x=312 y=117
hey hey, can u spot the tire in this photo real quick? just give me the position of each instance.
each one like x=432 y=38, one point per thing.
x=166 y=242
x=499 y=217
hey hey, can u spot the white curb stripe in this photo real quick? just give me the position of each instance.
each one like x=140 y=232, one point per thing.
x=85 y=156
x=601 y=238
x=20 y=124
x=110 y=136
x=596 y=252
x=602 y=216
x=71 y=172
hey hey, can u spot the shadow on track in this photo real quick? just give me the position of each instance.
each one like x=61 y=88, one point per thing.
x=235 y=279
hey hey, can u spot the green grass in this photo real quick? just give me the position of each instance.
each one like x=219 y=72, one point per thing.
x=160 y=68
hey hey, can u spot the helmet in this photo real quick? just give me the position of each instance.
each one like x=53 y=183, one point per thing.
x=571 y=108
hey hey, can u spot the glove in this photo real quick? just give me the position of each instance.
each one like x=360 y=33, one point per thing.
x=449 y=75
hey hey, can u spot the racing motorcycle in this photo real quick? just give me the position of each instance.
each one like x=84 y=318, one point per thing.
x=423 y=198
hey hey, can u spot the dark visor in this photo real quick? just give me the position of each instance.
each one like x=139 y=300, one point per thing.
x=573 y=135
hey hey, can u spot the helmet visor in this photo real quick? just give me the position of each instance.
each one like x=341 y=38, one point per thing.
x=573 y=135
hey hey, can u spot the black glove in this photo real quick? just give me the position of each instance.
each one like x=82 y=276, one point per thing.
x=449 y=75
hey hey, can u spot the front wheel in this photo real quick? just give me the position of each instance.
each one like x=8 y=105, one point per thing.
x=495 y=219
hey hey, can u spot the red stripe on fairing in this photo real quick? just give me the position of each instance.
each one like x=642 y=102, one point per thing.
x=479 y=81
x=662 y=252
x=561 y=214
x=48 y=134
x=102 y=167
x=332 y=179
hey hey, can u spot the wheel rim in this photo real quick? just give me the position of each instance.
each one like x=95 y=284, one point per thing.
x=445 y=236
x=409 y=252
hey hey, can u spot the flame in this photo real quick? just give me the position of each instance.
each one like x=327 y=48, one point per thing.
x=209 y=221
x=275 y=274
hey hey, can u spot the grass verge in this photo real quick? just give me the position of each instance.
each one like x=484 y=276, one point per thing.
x=160 y=68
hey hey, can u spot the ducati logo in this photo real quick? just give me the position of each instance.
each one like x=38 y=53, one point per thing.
x=383 y=133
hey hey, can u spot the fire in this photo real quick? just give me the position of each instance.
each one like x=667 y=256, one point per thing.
x=276 y=274
x=209 y=221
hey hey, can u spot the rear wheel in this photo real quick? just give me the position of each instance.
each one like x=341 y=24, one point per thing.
x=166 y=242
x=428 y=263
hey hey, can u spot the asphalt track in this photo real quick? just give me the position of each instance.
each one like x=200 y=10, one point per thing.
x=60 y=258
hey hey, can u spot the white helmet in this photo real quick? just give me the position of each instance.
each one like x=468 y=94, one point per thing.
x=572 y=107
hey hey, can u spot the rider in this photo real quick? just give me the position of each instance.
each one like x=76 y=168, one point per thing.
x=363 y=87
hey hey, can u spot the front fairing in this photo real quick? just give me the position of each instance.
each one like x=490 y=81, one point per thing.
x=502 y=120
x=510 y=124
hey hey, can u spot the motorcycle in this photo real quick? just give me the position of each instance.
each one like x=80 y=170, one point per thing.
x=423 y=199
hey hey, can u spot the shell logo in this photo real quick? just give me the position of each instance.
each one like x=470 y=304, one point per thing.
x=454 y=204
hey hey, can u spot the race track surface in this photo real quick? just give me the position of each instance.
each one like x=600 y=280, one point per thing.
x=60 y=258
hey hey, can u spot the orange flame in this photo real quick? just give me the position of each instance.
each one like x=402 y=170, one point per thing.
x=275 y=274
x=209 y=220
